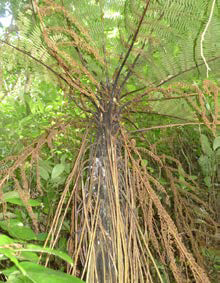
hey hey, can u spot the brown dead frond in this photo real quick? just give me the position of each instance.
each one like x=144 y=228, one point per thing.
x=119 y=220
x=72 y=69
x=176 y=102
x=15 y=166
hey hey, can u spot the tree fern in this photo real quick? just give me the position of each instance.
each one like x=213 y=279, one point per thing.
x=111 y=59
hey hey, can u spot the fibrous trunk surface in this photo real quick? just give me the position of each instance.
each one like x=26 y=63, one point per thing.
x=119 y=223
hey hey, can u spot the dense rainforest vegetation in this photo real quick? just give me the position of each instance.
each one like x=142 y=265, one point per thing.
x=110 y=141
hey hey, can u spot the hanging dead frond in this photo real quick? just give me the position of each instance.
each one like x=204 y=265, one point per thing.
x=16 y=165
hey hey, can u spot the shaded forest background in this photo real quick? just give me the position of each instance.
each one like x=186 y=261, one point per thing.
x=110 y=141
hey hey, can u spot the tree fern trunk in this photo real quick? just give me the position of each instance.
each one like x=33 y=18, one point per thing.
x=102 y=185
x=102 y=244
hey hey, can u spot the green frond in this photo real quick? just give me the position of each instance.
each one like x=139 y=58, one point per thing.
x=100 y=32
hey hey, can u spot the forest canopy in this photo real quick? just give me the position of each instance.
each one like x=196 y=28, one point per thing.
x=110 y=141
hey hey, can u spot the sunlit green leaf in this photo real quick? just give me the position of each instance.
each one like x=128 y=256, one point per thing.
x=17 y=230
x=41 y=274
x=5 y=240
x=18 y=201
x=216 y=143
x=57 y=170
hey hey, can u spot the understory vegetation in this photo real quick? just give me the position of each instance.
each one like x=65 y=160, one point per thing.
x=110 y=141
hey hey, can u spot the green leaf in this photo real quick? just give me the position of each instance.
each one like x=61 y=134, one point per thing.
x=17 y=230
x=57 y=170
x=207 y=181
x=30 y=256
x=9 y=254
x=144 y=162
x=5 y=240
x=18 y=201
x=18 y=278
x=13 y=197
x=206 y=147
x=63 y=158
x=46 y=164
x=35 y=248
x=44 y=174
x=40 y=274
x=216 y=143
x=217 y=155
x=181 y=173
x=205 y=163
x=42 y=237
x=9 y=195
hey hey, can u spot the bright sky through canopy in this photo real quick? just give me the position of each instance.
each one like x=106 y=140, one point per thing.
x=6 y=21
